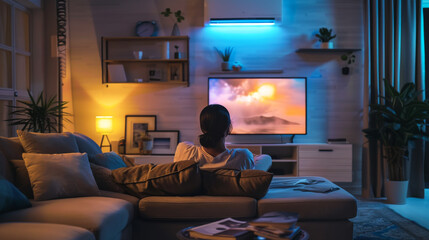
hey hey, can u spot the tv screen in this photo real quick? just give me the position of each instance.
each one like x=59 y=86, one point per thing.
x=263 y=105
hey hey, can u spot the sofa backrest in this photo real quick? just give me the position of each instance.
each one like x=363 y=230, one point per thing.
x=11 y=149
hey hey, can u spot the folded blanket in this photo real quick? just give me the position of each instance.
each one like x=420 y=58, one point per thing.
x=292 y=183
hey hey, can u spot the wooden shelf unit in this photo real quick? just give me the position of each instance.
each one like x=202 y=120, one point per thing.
x=157 y=65
x=332 y=161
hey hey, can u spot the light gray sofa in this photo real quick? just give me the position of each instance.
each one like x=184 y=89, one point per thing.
x=122 y=216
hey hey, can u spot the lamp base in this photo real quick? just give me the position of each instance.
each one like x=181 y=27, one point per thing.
x=109 y=145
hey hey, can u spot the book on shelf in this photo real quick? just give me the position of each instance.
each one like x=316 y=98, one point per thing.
x=225 y=229
x=278 y=220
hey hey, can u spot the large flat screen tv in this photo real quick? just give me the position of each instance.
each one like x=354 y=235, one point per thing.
x=262 y=105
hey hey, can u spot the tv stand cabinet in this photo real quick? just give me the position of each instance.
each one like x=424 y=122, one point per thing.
x=332 y=161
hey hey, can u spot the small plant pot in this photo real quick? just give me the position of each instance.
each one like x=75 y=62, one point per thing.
x=327 y=45
x=226 y=66
x=177 y=55
x=345 y=70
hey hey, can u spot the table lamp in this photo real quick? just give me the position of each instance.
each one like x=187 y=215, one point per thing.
x=103 y=125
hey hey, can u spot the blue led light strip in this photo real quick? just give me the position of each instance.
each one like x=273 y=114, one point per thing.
x=241 y=21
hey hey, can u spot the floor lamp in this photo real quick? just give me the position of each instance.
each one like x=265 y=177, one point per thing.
x=103 y=125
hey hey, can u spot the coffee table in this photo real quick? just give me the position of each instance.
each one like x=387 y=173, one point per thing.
x=184 y=235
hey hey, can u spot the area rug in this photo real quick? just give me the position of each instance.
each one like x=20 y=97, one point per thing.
x=375 y=221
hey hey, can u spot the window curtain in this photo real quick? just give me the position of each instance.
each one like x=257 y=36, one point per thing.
x=395 y=51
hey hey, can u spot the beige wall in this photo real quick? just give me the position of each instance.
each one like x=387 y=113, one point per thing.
x=334 y=100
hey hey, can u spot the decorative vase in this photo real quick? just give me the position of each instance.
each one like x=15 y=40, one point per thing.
x=175 y=31
x=327 y=45
x=226 y=66
x=396 y=191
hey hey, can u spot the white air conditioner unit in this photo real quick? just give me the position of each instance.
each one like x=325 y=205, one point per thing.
x=242 y=12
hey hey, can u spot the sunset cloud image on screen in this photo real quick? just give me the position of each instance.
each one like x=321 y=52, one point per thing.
x=262 y=105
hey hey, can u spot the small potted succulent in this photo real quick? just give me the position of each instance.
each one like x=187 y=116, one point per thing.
x=348 y=59
x=179 y=18
x=225 y=56
x=325 y=36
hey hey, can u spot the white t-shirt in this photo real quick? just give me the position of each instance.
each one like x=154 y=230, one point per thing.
x=238 y=159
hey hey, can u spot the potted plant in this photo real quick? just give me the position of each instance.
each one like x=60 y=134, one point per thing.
x=225 y=56
x=348 y=59
x=325 y=36
x=41 y=115
x=398 y=118
x=179 y=18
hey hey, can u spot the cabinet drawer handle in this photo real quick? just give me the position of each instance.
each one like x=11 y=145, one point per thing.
x=326 y=150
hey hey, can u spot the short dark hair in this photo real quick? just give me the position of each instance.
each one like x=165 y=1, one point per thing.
x=215 y=122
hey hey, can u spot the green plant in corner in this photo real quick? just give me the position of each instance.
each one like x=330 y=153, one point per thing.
x=41 y=115
x=399 y=117
x=325 y=35
x=226 y=54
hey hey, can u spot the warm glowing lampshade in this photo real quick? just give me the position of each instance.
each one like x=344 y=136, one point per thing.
x=103 y=124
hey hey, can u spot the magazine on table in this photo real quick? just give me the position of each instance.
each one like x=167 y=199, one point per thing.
x=227 y=228
x=279 y=220
x=275 y=234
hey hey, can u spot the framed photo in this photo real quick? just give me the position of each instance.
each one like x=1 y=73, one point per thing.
x=135 y=125
x=164 y=142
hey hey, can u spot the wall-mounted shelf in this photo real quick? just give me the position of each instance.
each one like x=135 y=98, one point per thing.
x=327 y=50
x=271 y=71
x=164 y=60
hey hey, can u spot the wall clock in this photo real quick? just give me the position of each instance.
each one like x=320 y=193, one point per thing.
x=146 y=29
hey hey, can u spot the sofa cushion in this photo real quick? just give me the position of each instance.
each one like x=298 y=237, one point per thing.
x=104 y=178
x=197 y=207
x=87 y=145
x=15 y=231
x=47 y=142
x=22 y=180
x=226 y=182
x=110 y=160
x=105 y=217
x=11 y=147
x=6 y=170
x=60 y=175
x=11 y=198
x=177 y=179
x=335 y=205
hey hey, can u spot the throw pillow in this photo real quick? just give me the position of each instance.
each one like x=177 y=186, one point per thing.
x=60 y=175
x=47 y=142
x=176 y=179
x=109 y=160
x=104 y=178
x=11 y=198
x=22 y=180
x=227 y=182
x=6 y=170
x=11 y=147
x=87 y=145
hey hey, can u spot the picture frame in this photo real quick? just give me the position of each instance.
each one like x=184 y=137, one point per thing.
x=134 y=126
x=164 y=141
